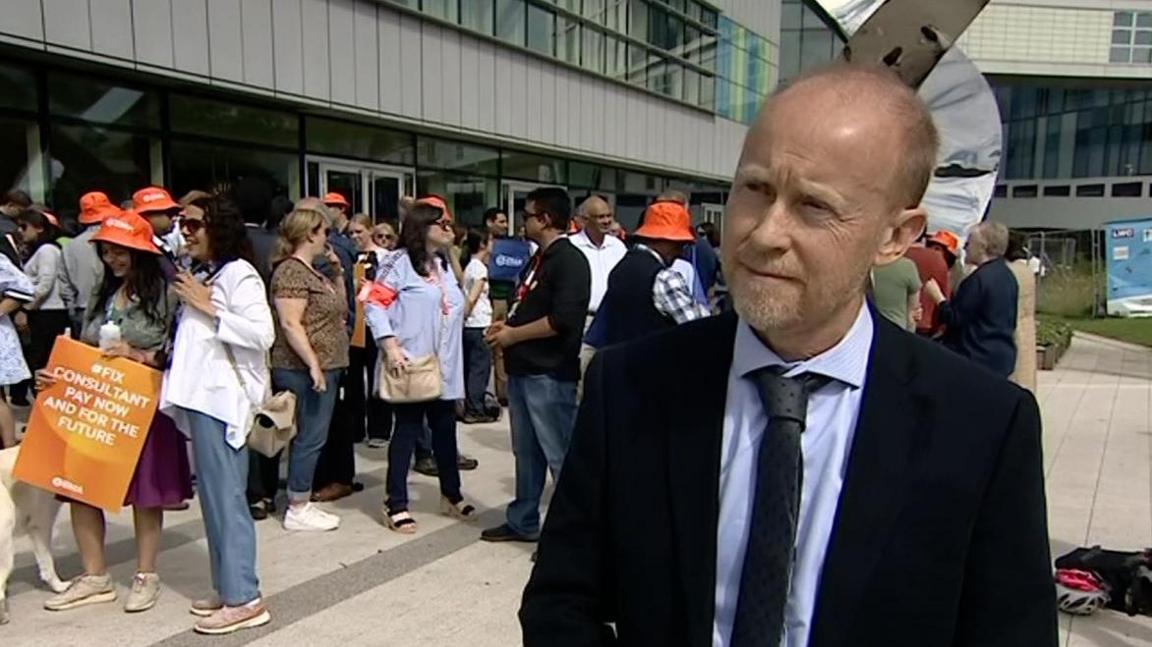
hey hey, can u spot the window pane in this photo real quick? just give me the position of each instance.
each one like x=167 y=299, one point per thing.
x=812 y=19
x=536 y=168
x=638 y=20
x=1121 y=37
x=707 y=92
x=1141 y=55
x=1144 y=19
x=467 y=196
x=445 y=9
x=90 y=158
x=541 y=24
x=19 y=88
x=223 y=120
x=568 y=40
x=616 y=58
x=345 y=139
x=791 y=16
x=657 y=81
x=691 y=87
x=693 y=10
x=1119 y=55
x=638 y=61
x=815 y=49
x=1122 y=19
x=102 y=103
x=594 y=9
x=20 y=141
x=477 y=15
x=708 y=17
x=256 y=177
x=592 y=56
x=510 y=21
x=1143 y=38
x=438 y=153
x=617 y=15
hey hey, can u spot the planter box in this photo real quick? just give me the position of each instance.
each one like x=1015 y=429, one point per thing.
x=1048 y=356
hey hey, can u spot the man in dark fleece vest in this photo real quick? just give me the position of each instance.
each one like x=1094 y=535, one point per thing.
x=645 y=294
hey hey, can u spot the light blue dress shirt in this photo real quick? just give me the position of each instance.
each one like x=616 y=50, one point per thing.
x=417 y=321
x=827 y=440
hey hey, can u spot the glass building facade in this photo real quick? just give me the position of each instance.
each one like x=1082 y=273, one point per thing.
x=64 y=134
x=1065 y=131
x=667 y=47
x=744 y=70
x=806 y=41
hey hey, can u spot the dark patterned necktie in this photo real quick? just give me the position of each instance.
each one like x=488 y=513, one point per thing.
x=767 y=572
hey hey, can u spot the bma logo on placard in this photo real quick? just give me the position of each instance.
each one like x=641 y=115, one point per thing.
x=1124 y=233
x=508 y=261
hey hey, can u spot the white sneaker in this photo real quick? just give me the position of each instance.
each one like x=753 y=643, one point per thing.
x=310 y=517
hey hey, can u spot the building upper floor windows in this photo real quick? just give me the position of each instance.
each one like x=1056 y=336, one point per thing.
x=1131 y=37
x=665 y=46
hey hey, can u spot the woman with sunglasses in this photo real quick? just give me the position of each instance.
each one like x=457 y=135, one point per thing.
x=384 y=235
x=416 y=309
x=46 y=316
x=310 y=353
x=218 y=373
x=133 y=298
x=360 y=396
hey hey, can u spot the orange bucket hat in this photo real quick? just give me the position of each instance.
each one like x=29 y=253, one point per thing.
x=335 y=198
x=127 y=229
x=152 y=199
x=435 y=201
x=95 y=207
x=666 y=220
x=948 y=241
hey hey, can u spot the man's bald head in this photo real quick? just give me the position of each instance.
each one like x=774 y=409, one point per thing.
x=595 y=213
x=875 y=94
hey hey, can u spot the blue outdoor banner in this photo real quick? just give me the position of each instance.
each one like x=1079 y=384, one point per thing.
x=509 y=256
x=1129 y=263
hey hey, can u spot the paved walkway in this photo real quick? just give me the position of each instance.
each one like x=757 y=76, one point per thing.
x=364 y=585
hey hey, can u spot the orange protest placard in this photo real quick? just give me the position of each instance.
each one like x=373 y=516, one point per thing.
x=86 y=431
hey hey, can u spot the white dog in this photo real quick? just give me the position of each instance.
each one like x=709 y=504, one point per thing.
x=24 y=508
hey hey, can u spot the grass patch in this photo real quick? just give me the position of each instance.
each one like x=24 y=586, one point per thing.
x=1133 y=331
x=1069 y=292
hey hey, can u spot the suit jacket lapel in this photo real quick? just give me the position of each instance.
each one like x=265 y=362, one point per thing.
x=874 y=488
x=695 y=433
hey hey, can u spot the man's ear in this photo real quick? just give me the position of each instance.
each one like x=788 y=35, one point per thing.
x=909 y=226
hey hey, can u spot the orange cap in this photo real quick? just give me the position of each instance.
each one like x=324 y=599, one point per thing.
x=152 y=199
x=947 y=240
x=336 y=198
x=95 y=207
x=666 y=220
x=435 y=201
x=127 y=229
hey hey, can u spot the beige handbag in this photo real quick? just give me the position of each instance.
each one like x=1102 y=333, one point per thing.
x=422 y=380
x=273 y=422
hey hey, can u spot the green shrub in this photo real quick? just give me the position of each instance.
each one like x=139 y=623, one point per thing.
x=1053 y=333
x=1069 y=291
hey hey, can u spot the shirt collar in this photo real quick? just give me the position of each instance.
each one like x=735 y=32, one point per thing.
x=644 y=248
x=581 y=239
x=845 y=362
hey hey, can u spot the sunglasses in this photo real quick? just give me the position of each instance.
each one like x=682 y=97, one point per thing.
x=379 y=237
x=444 y=224
x=191 y=226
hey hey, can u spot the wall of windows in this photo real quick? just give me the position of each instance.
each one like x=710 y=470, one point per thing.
x=806 y=41
x=664 y=46
x=64 y=134
x=744 y=69
x=1069 y=132
x=1131 y=37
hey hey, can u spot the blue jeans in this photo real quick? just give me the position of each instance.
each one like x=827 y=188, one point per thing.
x=313 y=414
x=542 y=412
x=477 y=368
x=410 y=418
x=221 y=476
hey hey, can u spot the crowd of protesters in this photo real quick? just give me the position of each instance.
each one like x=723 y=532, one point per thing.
x=327 y=304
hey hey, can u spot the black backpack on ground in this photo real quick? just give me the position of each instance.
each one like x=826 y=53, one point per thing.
x=1127 y=574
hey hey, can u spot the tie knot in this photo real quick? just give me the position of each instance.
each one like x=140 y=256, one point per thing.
x=786 y=397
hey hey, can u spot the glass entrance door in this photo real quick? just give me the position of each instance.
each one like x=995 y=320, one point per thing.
x=369 y=188
x=514 y=199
